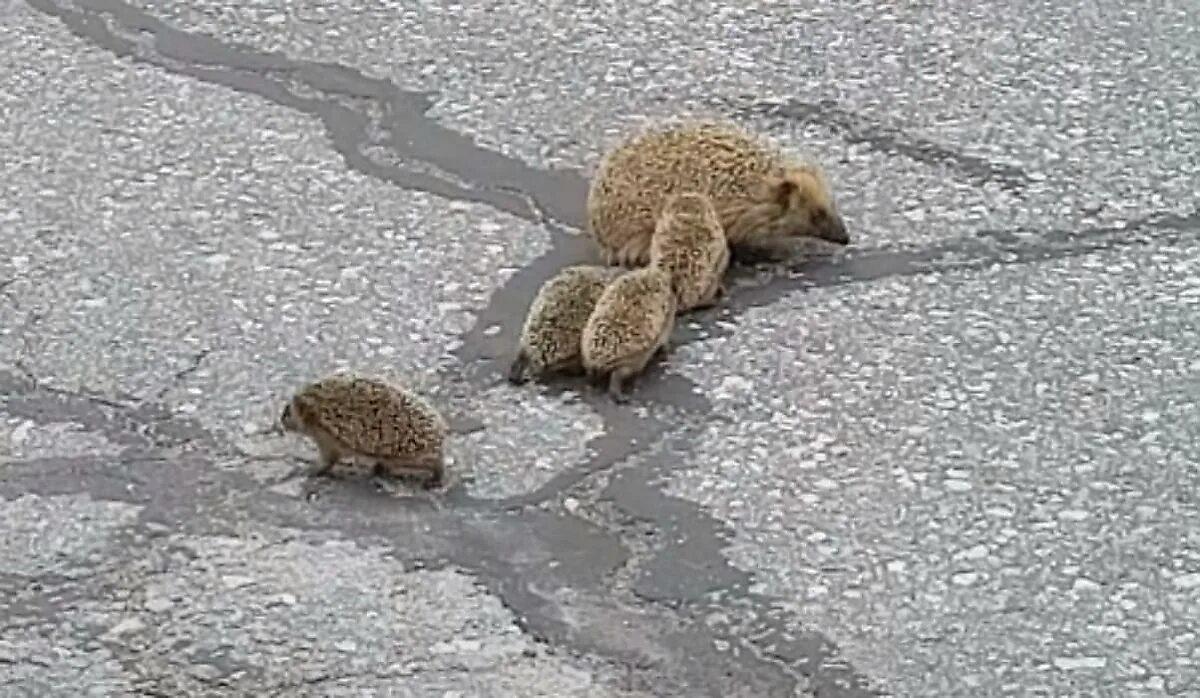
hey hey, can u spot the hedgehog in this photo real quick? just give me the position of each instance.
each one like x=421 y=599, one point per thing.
x=631 y=323
x=353 y=416
x=550 y=337
x=689 y=244
x=763 y=197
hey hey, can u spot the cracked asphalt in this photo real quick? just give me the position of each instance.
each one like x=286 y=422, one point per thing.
x=959 y=458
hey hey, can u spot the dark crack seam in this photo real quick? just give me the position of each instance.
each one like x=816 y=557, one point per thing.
x=81 y=394
x=690 y=570
x=985 y=249
x=410 y=132
x=346 y=127
x=179 y=376
x=279 y=94
x=695 y=567
x=482 y=357
x=699 y=559
x=855 y=129
x=504 y=183
x=541 y=195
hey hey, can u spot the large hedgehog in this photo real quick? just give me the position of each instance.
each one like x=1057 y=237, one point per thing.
x=762 y=197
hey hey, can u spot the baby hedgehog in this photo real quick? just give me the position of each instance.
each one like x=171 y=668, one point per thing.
x=762 y=197
x=631 y=323
x=551 y=334
x=689 y=244
x=349 y=416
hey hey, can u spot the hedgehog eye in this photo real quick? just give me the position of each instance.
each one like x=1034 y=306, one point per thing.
x=819 y=216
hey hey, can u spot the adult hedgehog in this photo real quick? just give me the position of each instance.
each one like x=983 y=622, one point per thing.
x=763 y=198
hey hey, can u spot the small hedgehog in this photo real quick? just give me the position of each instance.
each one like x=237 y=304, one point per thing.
x=762 y=197
x=689 y=244
x=631 y=323
x=550 y=337
x=350 y=416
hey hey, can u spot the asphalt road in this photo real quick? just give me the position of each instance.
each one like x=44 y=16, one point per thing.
x=958 y=459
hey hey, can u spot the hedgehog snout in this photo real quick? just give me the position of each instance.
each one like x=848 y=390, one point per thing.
x=286 y=421
x=835 y=231
x=518 y=370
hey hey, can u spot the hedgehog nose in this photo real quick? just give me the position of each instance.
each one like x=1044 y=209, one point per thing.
x=838 y=232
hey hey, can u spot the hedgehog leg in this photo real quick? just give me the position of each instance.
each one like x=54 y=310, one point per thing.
x=435 y=470
x=592 y=375
x=327 y=457
x=662 y=346
x=571 y=367
x=428 y=467
x=712 y=298
x=720 y=292
x=616 y=386
x=622 y=375
x=760 y=252
x=779 y=250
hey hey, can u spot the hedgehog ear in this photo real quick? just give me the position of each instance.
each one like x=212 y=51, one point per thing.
x=783 y=191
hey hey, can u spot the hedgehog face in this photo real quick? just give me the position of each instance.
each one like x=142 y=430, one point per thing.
x=793 y=203
x=806 y=206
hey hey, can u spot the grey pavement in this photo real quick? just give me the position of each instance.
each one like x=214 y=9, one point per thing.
x=959 y=458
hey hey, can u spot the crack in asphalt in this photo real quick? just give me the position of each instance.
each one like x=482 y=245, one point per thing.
x=179 y=376
x=400 y=125
x=520 y=557
x=856 y=129
x=361 y=114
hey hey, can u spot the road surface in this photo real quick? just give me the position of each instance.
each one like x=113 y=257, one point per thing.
x=958 y=459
